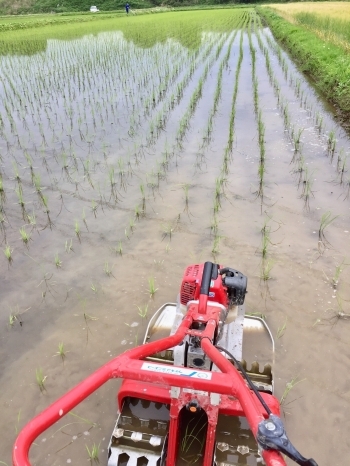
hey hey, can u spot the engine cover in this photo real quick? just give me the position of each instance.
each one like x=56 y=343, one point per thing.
x=191 y=283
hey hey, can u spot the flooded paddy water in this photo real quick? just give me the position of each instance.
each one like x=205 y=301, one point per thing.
x=122 y=162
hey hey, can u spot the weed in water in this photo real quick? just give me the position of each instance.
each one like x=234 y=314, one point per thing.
x=143 y=311
x=151 y=287
x=326 y=220
x=68 y=246
x=40 y=379
x=281 y=330
x=58 y=262
x=93 y=453
x=17 y=424
x=12 y=320
x=93 y=287
x=289 y=386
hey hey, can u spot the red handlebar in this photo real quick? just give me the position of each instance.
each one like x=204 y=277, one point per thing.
x=129 y=366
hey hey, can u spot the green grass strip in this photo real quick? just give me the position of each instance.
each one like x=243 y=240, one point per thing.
x=327 y=64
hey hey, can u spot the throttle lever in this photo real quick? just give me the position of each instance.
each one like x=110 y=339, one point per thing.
x=272 y=436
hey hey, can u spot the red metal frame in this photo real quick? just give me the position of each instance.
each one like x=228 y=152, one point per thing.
x=129 y=366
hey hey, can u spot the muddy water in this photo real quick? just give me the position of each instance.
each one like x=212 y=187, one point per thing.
x=72 y=131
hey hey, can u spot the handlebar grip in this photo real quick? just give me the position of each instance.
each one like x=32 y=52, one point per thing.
x=206 y=278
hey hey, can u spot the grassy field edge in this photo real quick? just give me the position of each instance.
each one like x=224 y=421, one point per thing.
x=327 y=64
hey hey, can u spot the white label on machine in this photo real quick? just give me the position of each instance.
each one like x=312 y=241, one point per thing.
x=204 y=375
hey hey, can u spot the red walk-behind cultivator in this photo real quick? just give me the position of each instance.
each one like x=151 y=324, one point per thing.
x=188 y=396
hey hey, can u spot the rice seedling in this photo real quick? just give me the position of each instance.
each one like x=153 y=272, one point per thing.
x=214 y=227
x=25 y=236
x=319 y=121
x=151 y=287
x=296 y=136
x=265 y=242
x=107 y=269
x=37 y=183
x=289 y=386
x=137 y=213
x=93 y=453
x=168 y=230
x=62 y=353
x=32 y=219
x=216 y=246
x=338 y=270
x=326 y=220
x=143 y=197
x=8 y=253
x=331 y=142
x=299 y=170
x=58 y=261
x=341 y=167
x=77 y=230
x=307 y=192
x=2 y=190
x=185 y=188
x=17 y=176
x=40 y=379
x=266 y=268
x=94 y=207
x=84 y=220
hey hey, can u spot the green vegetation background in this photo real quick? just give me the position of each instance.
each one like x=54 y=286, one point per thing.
x=63 y=6
x=327 y=64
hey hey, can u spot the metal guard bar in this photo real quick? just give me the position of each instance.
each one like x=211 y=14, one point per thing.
x=128 y=365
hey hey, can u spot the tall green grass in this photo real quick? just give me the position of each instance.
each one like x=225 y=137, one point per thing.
x=326 y=63
x=330 y=27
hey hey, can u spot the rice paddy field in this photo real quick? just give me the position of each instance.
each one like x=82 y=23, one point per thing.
x=133 y=147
